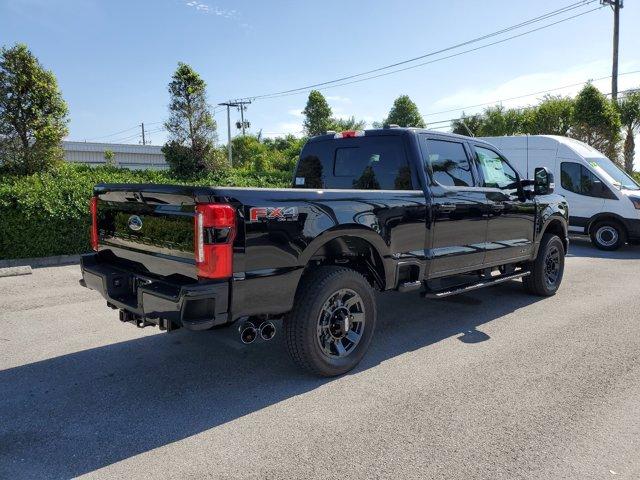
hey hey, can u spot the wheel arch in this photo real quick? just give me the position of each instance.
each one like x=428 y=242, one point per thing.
x=603 y=217
x=354 y=246
x=558 y=227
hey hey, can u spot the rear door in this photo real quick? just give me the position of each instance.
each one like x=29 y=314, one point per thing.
x=511 y=215
x=459 y=223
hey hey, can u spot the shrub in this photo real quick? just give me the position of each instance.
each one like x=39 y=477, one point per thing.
x=47 y=213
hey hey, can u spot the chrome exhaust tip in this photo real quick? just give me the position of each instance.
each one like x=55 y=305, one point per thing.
x=248 y=333
x=267 y=330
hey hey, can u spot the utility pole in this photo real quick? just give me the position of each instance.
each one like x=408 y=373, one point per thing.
x=242 y=107
x=228 y=105
x=616 y=5
x=144 y=142
x=240 y=104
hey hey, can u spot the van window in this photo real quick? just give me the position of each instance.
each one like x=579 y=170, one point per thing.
x=371 y=164
x=448 y=163
x=576 y=178
x=496 y=172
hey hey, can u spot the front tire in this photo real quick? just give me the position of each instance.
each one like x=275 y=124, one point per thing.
x=330 y=327
x=608 y=235
x=548 y=268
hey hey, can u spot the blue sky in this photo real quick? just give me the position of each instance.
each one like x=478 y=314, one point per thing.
x=113 y=59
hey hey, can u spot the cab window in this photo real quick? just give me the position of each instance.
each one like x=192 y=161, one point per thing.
x=576 y=178
x=377 y=163
x=448 y=163
x=495 y=171
x=374 y=164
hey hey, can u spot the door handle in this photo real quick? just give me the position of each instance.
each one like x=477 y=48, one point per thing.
x=446 y=207
x=497 y=207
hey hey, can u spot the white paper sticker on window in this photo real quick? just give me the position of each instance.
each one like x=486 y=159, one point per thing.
x=299 y=181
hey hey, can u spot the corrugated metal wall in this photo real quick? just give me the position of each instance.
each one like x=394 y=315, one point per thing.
x=127 y=156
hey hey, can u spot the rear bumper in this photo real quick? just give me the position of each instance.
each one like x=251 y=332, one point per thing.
x=170 y=304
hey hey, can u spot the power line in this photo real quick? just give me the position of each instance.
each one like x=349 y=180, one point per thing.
x=450 y=120
x=545 y=16
x=443 y=58
x=526 y=95
x=112 y=134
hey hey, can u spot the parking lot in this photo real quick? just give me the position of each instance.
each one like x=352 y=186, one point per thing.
x=492 y=384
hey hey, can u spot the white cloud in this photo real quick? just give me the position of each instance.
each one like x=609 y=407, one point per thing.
x=472 y=100
x=338 y=98
x=285 y=128
x=296 y=112
x=211 y=10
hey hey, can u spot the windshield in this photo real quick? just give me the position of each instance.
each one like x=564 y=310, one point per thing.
x=618 y=177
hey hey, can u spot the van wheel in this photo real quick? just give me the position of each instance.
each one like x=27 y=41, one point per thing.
x=332 y=322
x=548 y=268
x=608 y=235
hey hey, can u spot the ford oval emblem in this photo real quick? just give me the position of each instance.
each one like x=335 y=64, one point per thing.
x=135 y=222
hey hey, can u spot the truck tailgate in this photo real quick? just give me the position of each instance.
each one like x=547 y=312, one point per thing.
x=153 y=229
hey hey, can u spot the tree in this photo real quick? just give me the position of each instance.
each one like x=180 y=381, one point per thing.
x=468 y=125
x=343 y=124
x=191 y=127
x=493 y=122
x=629 y=108
x=250 y=153
x=317 y=114
x=596 y=121
x=404 y=113
x=499 y=121
x=33 y=114
x=552 y=116
x=109 y=158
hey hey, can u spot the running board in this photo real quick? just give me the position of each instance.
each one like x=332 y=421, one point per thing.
x=475 y=286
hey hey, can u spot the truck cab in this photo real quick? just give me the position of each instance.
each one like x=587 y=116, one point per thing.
x=604 y=200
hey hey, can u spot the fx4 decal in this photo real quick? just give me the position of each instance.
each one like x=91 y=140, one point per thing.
x=281 y=214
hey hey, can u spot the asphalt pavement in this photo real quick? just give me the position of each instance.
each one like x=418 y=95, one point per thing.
x=491 y=384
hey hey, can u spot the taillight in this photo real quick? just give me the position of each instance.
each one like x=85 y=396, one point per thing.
x=93 y=207
x=349 y=134
x=215 y=229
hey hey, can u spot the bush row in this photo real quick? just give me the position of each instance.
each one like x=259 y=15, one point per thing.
x=47 y=214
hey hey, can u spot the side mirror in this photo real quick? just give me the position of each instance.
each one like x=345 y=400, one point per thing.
x=543 y=181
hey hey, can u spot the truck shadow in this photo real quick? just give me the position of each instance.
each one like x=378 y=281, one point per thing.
x=73 y=414
x=582 y=247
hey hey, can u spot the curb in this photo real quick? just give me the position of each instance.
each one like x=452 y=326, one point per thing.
x=15 y=271
x=39 y=262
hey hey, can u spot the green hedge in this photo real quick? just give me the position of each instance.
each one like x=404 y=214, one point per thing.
x=48 y=213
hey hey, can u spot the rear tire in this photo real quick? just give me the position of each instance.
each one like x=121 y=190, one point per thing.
x=608 y=235
x=330 y=327
x=548 y=268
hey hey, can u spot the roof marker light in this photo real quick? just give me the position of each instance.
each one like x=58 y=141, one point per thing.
x=349 y=134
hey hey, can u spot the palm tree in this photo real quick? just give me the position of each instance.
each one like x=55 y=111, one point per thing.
x=629 y=108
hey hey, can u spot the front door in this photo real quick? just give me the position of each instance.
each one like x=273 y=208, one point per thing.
x=584 y=191
x=455 y=241
x=511 y=215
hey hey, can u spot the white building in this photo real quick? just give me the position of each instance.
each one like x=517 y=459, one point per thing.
x=128 y=156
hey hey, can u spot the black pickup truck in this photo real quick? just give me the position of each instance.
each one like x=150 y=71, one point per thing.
x=386 y=209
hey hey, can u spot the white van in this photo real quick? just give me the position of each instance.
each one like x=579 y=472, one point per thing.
x=604 y=202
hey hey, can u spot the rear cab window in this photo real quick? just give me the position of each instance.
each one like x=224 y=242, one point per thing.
x=364 y=163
